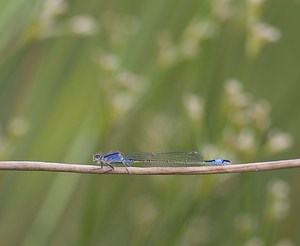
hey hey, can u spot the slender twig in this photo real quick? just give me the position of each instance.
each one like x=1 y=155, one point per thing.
x=94 y=169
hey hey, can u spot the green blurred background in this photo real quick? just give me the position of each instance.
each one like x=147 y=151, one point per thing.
x=81 y=77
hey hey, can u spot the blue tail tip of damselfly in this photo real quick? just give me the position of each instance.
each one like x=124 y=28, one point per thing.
x=219 y=162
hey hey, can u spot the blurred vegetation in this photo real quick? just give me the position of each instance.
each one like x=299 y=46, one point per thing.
x=220 y=77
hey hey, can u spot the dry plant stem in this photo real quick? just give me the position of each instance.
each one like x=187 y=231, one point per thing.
x=195 y=170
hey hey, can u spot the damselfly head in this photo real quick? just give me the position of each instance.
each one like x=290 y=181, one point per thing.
x=97 y=157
